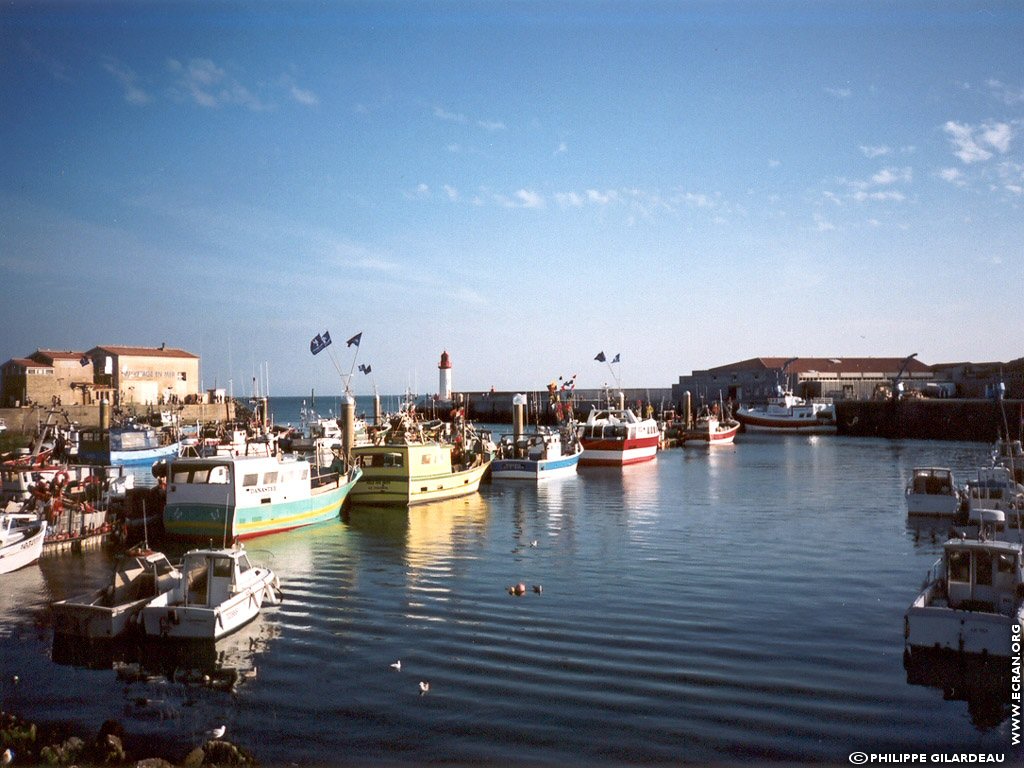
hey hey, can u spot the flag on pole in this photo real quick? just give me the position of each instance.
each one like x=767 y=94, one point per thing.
x=365 y=368
x=354 y=340
x=600 y=357
x=84 y=361
x=616 y=359
x=320 y=342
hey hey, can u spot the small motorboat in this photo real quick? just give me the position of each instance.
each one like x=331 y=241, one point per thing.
x=932 y=491
x=139 y=576
x=218 y=591
x=971 y=599
x=21 y=540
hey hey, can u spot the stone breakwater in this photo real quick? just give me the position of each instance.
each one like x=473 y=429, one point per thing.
x=29 y=743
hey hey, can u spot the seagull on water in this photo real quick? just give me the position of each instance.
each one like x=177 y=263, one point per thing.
x=217 y=733
x=397 y=665
x=424 y=687
x=533 y=543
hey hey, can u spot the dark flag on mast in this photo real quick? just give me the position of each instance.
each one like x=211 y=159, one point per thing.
x=354 y=340
x=365 y=368
x=600 y=357
x=320 y=342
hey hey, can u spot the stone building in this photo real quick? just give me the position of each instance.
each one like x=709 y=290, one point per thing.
x=755 y=380
x=44 y=376
x=122 y=375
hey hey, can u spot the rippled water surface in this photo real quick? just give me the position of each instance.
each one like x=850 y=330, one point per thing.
x=712 y=606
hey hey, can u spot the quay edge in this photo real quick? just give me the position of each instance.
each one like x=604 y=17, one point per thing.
x=975 y=420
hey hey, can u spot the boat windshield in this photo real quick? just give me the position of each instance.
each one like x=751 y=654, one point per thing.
x=203 y=474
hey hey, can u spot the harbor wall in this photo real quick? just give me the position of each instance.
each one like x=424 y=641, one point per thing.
x=496 y=407
x=930 y=419
x=27 y=420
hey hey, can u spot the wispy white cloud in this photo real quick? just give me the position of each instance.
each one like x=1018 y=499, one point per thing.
x=839 y=93
x=453 y=117
x=881 y=196
x=953 y=176
x=303 y=96
x=209 y=85
x=491 y=125
x=128 y=80
x=561 y=149
x=772 y=163
x=602 y=198
x=568 y=200
x=822 y=224
x=873 y=152
x=1009 y=95
x=973 y=144
x=893 y=176
x=452 y=192
x=529 y=199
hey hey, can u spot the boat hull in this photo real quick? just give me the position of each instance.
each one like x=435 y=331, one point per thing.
x=85 y=618
x=618 y=453
x=754 y=423
x=22 y=553
x=931 y=628
x=205 y=521
x=932 y=505
x=139 y=458
x=395 y=489
x=540 y=469
x=201 y=622
x=718 y=437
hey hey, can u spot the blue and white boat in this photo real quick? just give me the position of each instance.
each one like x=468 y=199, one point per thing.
x=239 y=497
x=538 y=456
x=128 y=445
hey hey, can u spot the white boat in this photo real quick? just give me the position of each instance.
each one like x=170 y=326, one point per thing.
x=994 y=488
x=139 y=576
x=788 y=413
x=538 y=456
x=130 y=444
x=1010 y=454
x=971 y=599
x=617 y=437
x=219 y=591
x=21 y=540
x=932 y=491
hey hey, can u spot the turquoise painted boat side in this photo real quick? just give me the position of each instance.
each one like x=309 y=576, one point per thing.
x=206 y=521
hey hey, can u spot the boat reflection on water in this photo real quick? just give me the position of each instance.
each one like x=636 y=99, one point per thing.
x=224 y=664
x=983 y=683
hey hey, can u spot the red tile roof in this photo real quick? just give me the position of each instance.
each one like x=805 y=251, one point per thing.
x=142 y=351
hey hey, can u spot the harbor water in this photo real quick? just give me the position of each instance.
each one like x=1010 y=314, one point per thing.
x=716 y=605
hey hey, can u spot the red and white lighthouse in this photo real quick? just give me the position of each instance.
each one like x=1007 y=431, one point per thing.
x=444 y=383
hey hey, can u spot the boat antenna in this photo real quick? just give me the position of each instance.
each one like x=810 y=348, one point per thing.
x=145 y=528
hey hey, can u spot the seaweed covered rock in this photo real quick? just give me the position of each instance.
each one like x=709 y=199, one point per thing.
x=221 y=753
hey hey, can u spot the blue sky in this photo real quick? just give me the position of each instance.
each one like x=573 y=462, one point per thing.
x=522 y=184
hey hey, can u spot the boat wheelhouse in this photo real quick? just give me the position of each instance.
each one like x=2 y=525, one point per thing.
x=224 y=498
x=21 y=540
x=129 y=445
x=617 y=437
x=994 y=488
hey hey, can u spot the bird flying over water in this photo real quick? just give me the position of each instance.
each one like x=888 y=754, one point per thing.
x=397 y=665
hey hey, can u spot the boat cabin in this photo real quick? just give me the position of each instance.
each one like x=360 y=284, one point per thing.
x=412 y=460
x=931 y=481
x=616 y=424
x=213 y=576
x=994 y=488
x=983 y=575
x=138 y=575
x=242 y=481
x=534 y=447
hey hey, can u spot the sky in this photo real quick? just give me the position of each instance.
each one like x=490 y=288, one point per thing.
x=522 y=184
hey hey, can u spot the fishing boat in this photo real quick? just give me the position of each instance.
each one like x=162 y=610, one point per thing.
x=139 y=576
x=1010 y=454
x=932 y=491
x=412 y=462
x=971 y=598
x=21 y=540
x=994 y=488
x=218 y=592
x=707 y=428
x=788 y=413
x=239 y=497
x=617 y=437
x=542 y=455
x=129 y=445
